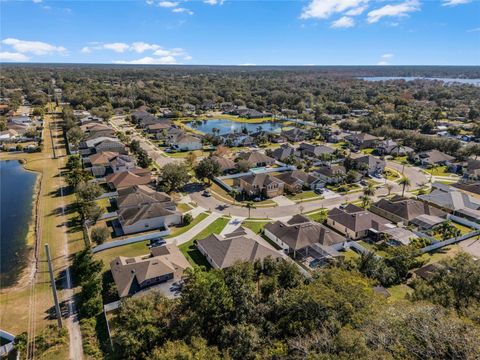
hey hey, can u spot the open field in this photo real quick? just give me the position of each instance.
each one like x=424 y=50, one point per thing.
x=22 y=303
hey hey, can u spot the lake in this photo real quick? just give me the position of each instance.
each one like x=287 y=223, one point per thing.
x=228 y=126
x=475 y=82
x=17 y=187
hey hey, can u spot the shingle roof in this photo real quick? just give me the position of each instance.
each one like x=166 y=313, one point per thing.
x=227 y=250
x=435 y=156
x=131 y=215
x=407 y=209
x=141 y=194
x=357 y=219
x=255 y=157
x=260 y=180
x=452 y=199
x=300 y=232
x=129 y=178
x=128 y=273
x=107 y=157
x=225 y=163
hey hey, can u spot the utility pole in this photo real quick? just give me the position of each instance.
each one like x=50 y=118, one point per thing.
x=54 y=287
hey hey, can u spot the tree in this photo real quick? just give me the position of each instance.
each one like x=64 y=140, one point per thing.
x=389 y=188
x=100 y=234
x=197 y=349
x=187 y=219
x=87 y=191
x=369 y=190
x=250 y=205
x=173 y=177
x=76 y=176
x=75 y=135
x=405 y=182
x=234 y=193
x=366 y=200
x=208 y=168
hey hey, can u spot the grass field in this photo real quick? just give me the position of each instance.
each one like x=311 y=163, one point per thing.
x=255 y=226
x=439 y=171
x=16 y=303
x=399 y=292
x=189 y=250
x=175 y=231
x=304 y=195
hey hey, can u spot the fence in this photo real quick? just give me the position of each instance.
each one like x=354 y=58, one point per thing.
x=464 y=221
x=451 y=241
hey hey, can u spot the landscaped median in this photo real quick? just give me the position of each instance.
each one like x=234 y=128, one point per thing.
x=189 y=249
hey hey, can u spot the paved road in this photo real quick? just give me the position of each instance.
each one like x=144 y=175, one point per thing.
x=415 y=175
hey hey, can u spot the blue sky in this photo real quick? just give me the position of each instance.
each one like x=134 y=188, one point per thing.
x=233 y=32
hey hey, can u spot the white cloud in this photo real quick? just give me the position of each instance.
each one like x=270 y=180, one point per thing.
x=214 y=2
x=401 y=9
x=323 y=9
x=148 y=60
x=183 y=11
x=455 y=2
x=14 y=57
x=149 y=2
x=171 y=52
x=343 y=22
x=356 y=11
x=37 y=1
x=86 y=50
x=117 y=47
x=167 y=4
x=141 y=47
x=474 y=29
x=385 y=59
x=34 y=47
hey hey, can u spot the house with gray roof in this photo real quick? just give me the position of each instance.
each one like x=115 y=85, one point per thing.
x=284 y=152
x=300 y=234
x=256 y=158
x=313 y=150
x=223 y=251
x=356 y=222
x=369 y=164
x=433 y=158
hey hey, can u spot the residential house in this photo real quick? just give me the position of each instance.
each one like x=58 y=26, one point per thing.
x=297 y=180
x=296 y=134
x=8 y=135
x=237 y=139
x=454 y=201
x=471 y=188
x=427 y=222
x=356 y=222
x=100 y=144
x=108 y=162
x=363 y=140
x=187 y=142
x=142 y=117
x=226 y=165
x=315 y=150
x=256 y=158
x=390 y=147
x=472 y=169
x=284 y=152
x=141 y=208
x=128 y=178
x=433 y=158
x=300 y=235
x=133 y=274
x=260 y=185
x=337 y=136
x=331 y=174
x=20 y=120
x=369 y=165
x=403 y=210
x=398 y=236
x=158 y=127
x=223 y=251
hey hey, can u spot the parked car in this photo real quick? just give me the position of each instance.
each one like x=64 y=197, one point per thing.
x=207 y=193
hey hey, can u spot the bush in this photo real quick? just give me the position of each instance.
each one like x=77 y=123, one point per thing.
x=100 y=234
x=187 y=219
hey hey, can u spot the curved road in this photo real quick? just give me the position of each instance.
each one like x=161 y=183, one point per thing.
x=415 y=175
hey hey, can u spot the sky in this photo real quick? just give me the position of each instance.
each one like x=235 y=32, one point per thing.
x=239 y=32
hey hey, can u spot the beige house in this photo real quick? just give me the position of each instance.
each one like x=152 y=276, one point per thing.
x=260 y=185
x=137 y=273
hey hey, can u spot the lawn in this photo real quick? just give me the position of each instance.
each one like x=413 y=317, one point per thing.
x=350 y=255
x=441 y=254
x=439 y=171
x=368 y=151
x=183 y=208
x=175 y=231
x=391 y=174
x=189 y=250
x=304 y=195
x=130 y=250
x=318 y=216
x=255 y=226
x=399 y=292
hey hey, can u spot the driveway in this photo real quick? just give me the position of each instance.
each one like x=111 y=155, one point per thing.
x=282 y=200
x=471 y=246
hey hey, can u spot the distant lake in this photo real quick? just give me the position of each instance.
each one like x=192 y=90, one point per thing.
x=226 y=126
x=475 y=82
x=16 y=193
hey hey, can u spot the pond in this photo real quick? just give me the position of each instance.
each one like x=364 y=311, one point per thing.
x=475 y=82
x=226 y=126
x=17 y=188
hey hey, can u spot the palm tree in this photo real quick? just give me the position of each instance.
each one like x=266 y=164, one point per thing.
x=250 y=205
x=369 y=190
x=234 y=193
x=365 y=200
x=405 y=182
x=389 y=187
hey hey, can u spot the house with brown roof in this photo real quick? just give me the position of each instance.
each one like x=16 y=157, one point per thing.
x=296 y=134
x=128 y=178
x=297 y=180
x=226 y=165
x=301 y=233
x=158 y=127
x=369 y=165
x=284 y=152
x=138 y=195
x=107 y=162
x=313 y=150
x=363 y=140
x=400 y=209
x=223 y=251
x=331 y=174
x=256 y=158
x=165 y=263
x=356 y=222
x=186 y=142
x=260 y=185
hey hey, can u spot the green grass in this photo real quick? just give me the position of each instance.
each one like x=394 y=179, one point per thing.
x=350 y=255
x=441 y=254
x=303 y=195
x=391 y=174
x=175 y=231
x=130 y=250
x=182 y=207
x=189 y=250
x=368 y=151
x=439 y=171
x=318 y=217
x=255 y=226
x=399 y=292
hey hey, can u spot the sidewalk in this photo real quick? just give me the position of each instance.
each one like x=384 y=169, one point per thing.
x=187 y=236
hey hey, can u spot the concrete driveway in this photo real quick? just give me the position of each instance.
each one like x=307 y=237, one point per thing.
x=471 y=246
x=283 y=200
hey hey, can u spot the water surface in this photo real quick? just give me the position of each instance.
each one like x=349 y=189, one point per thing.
x=17 y=187
x=475 y=82
x=226 y=126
